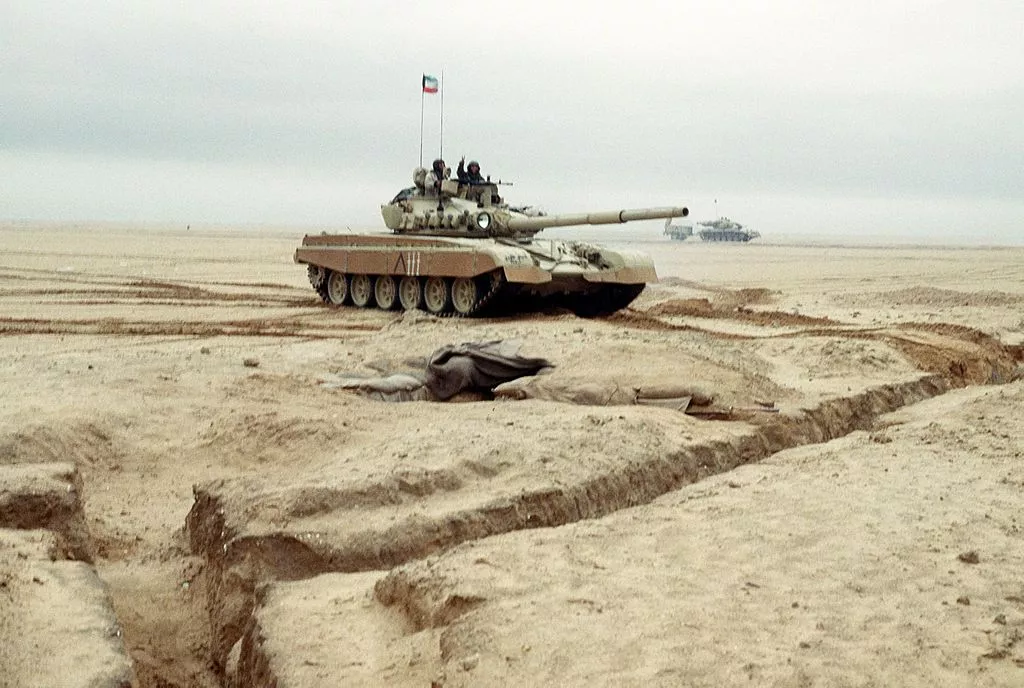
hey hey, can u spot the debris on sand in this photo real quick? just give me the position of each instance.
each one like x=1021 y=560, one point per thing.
x=968 y=557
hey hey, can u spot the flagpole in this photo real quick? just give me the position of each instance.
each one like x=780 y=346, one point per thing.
x=422 y=94
x=440 y=87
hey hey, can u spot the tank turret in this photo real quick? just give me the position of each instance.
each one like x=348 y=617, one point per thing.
x=461 y=209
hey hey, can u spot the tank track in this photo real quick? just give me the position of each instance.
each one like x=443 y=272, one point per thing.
x=608 y=299
x=600 y=301
x=496 y=281
x=502 y=297
x=726 y=237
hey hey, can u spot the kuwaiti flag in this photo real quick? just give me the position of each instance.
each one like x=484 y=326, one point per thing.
x=429 y=84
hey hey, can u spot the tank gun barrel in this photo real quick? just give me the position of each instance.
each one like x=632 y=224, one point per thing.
x=609 y=217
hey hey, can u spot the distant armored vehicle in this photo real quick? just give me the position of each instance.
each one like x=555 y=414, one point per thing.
x=724 y=229
x=678 y=232
x=459 y=248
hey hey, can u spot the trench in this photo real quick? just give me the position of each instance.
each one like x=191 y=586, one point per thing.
x=237 y=566
x=227 y=583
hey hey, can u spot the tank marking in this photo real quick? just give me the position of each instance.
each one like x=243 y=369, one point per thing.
x=407 y=264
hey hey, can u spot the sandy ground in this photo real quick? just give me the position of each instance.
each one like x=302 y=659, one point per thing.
x=257 y=527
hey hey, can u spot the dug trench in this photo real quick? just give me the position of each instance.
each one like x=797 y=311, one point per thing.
x=251 y=531
x=299 y=480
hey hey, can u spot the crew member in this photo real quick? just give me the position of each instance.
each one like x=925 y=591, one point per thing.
x=438 y=173
x=469 y=174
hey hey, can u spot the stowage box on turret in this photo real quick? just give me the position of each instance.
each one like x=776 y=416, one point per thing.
x=458 y=248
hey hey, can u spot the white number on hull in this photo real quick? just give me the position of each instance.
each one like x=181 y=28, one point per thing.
x=408 y=263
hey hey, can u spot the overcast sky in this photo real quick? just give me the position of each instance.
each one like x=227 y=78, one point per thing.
x=898 y=117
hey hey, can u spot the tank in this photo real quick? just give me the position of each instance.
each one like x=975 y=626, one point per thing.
x=462 y=250
x=677 y=232
x=724 y=229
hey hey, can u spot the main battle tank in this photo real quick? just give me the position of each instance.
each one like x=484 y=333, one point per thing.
x=724 y=229
x=460 y=249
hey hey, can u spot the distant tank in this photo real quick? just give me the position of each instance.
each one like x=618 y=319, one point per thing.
x=724 y=229
x=461 y=250
x=678 y=232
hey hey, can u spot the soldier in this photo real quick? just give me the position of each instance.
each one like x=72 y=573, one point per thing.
x=470 y=175
x=438 y=173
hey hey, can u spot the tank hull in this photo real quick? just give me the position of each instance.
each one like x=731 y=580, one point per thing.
x=466 y=276
x=742 y=236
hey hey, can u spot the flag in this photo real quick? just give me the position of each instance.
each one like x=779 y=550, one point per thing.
x=429 y=84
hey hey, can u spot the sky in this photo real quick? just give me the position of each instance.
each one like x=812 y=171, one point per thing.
x=897 y=118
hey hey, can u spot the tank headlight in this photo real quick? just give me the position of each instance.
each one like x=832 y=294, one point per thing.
x=483 y=220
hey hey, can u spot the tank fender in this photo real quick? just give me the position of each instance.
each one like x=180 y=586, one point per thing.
x=518 y=265
x=359 y=257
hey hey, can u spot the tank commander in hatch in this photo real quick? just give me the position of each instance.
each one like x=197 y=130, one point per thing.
x=470 y=174
x=438 y=173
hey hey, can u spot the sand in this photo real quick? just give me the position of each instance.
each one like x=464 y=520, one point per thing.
x=851 y=516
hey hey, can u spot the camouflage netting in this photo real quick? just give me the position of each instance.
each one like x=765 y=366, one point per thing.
x=452 y=369
x=478 y=366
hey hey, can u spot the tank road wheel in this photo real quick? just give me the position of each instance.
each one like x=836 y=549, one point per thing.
x=385 y=292
x=361 y=287
x=437 y=296
x=410 y=293
x=465 y=295
x=337 y=288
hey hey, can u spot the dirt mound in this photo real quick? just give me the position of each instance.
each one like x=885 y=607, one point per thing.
x=680 y=282
x=57 y=625
x=700 y=308
x=90 y=443
x=644 y=321
x=973 y=360
x=46 y=496
x=948 y=298
x=265 y=434
x=745 y=297
x=735 y=309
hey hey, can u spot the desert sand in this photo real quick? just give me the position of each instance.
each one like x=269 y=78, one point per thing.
x=850 y=514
